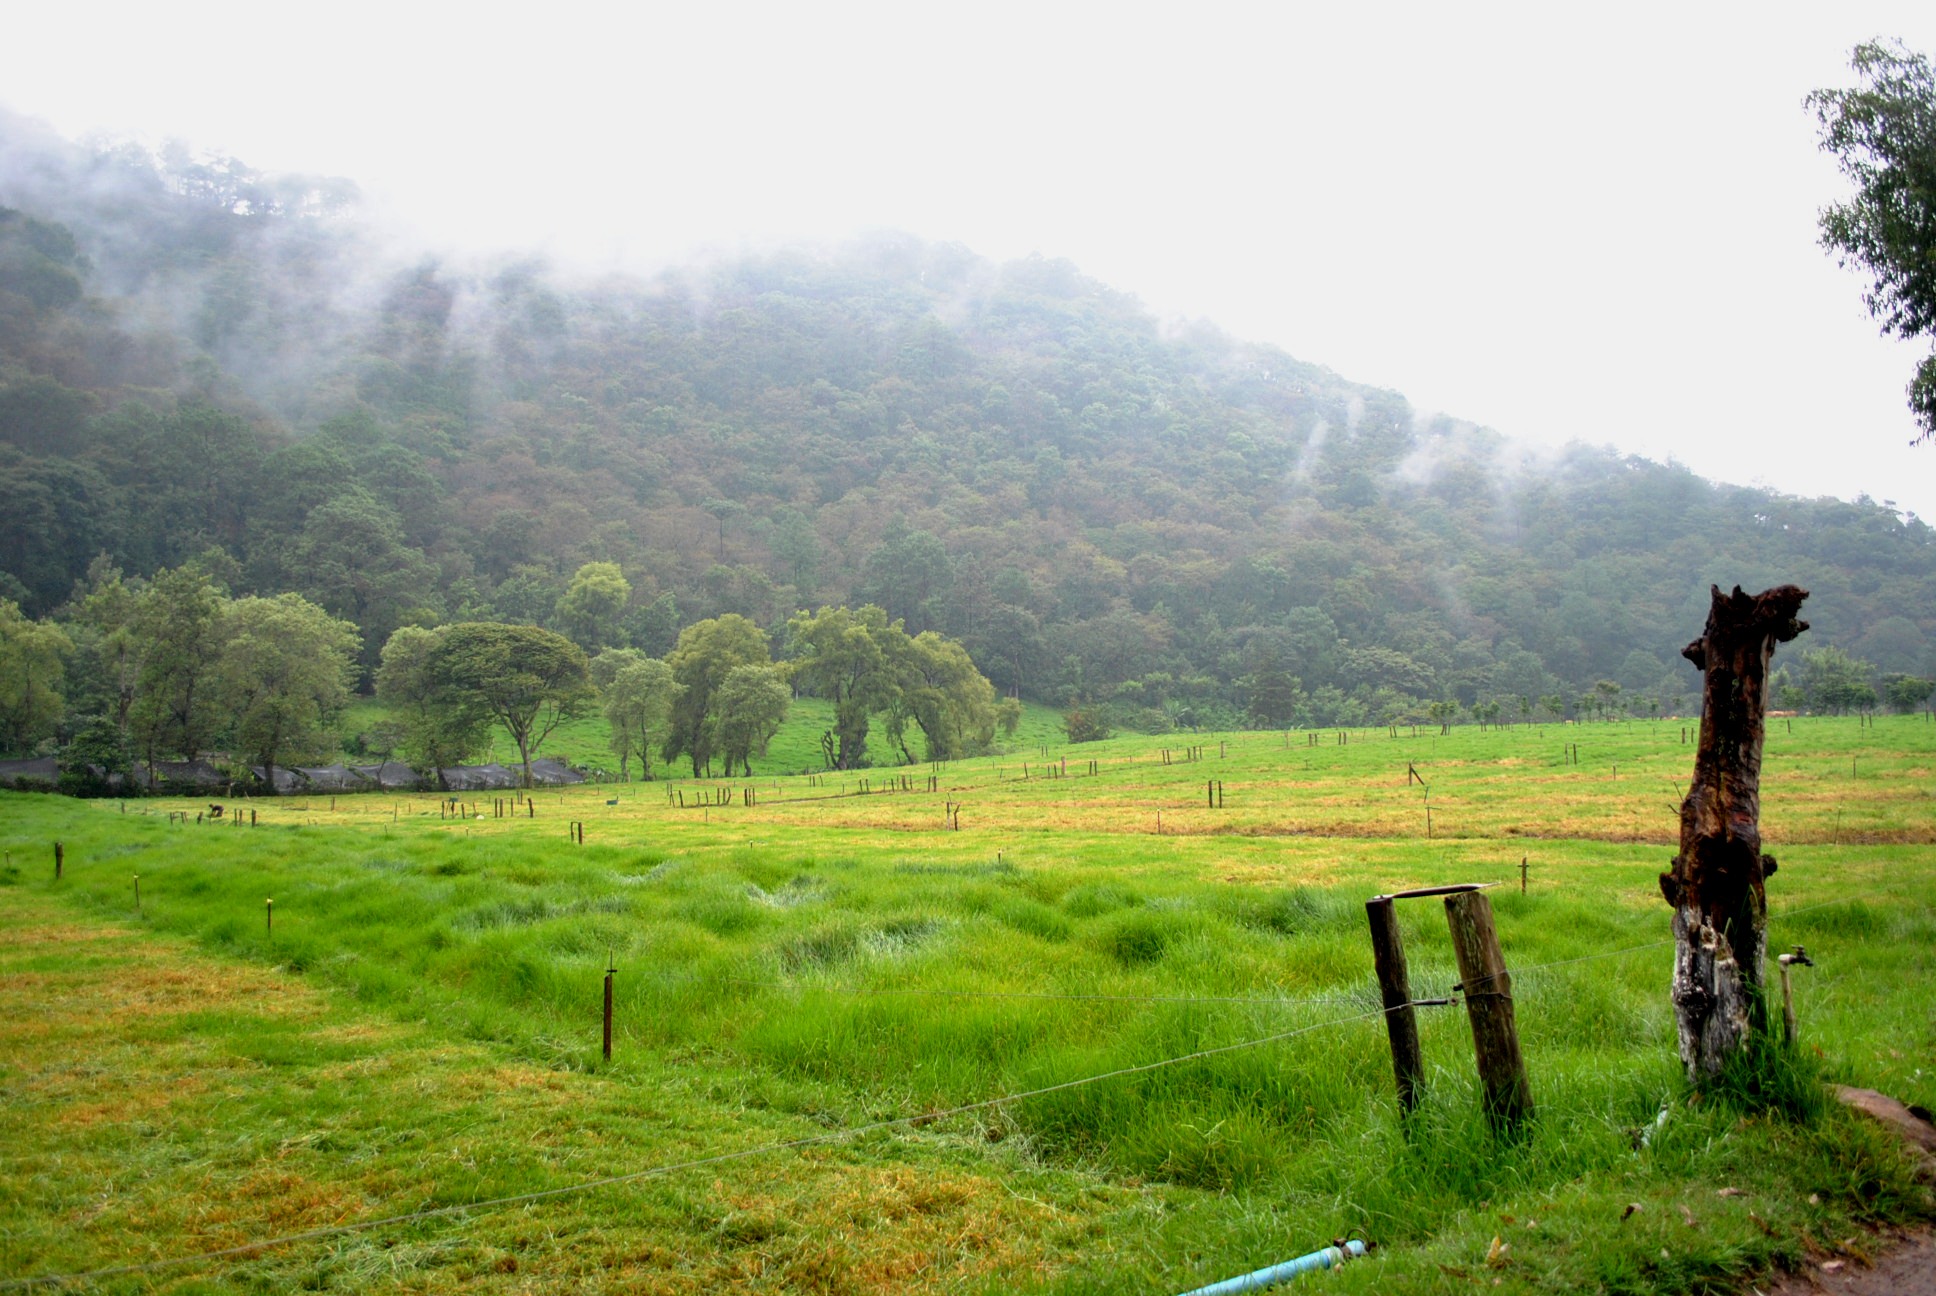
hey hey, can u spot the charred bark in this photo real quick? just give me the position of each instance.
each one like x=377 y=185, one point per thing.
x=1716 y=886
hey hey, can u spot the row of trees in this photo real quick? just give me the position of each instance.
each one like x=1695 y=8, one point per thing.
x=718 y=695
x=173 y=668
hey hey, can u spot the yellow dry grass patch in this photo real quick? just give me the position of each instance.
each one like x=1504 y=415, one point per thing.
x=132 y=1102
x=52 y=934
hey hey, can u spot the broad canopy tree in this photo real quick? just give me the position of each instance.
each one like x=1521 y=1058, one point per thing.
x=590 y=608
x=843 y=656
x=866 y=664
x=30 y=678
x=179 y=624
x=751 y=703
x=528 y=679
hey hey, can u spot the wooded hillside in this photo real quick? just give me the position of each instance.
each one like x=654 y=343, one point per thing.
x=198 y=362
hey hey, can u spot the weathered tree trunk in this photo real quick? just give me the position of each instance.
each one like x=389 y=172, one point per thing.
x=1720 y=907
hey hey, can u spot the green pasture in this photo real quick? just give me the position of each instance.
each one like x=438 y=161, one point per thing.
x=799 y=957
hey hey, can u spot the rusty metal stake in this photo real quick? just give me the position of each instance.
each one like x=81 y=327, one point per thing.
x=610 y=971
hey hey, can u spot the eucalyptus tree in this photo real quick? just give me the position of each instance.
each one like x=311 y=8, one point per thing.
x=284 y=677
x=705 y=655
x=638 y=692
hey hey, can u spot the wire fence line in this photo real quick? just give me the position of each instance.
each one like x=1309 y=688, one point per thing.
x=836 y=1136
x=1258 y=1001
x=660 y=1171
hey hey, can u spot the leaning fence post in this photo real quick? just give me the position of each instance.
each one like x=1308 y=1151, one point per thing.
x=1395 y=989
x=1488 y=1003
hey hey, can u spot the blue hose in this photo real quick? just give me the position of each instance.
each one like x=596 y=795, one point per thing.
x=1277 y=1273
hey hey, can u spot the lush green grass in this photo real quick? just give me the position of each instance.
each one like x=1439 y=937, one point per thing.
x=421 y=1027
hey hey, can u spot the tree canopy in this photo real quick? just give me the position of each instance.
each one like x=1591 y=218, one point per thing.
x=285 y=670
x=1882 y=133
x=707 y=652
x=528 y=679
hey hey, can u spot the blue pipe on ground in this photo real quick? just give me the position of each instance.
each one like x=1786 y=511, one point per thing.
x=1277 y=1273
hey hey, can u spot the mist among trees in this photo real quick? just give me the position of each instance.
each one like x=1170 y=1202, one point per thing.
x=228 y=390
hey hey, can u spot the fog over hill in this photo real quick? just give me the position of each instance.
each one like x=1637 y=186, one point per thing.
x=199 y=362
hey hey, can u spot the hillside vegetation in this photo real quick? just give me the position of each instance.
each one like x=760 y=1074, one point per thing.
x=201 y=363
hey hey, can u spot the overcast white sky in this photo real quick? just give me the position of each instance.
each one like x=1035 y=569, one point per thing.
x=1565 y=222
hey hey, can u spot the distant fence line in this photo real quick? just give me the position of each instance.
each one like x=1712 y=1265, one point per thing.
x=200 y=776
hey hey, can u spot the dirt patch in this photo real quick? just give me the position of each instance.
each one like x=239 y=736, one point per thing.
x=1906 y=1268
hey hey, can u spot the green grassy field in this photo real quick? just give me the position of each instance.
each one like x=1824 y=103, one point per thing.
x=815 y=979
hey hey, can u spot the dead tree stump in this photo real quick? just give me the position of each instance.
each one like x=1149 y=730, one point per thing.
x=1715 y=888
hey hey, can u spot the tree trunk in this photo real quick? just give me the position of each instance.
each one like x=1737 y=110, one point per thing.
x=1715 y=888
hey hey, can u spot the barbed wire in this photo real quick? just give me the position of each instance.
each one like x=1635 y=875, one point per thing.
x=852 y=1132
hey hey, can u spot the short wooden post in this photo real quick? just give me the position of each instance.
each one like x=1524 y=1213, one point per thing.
x=1395 y=989
x=137 y=893
x=1487 y=987
x=269 y=917
x=1522 y=875
x=58 y=856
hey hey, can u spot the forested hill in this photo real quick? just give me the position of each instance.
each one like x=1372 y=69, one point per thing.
x=201 y=363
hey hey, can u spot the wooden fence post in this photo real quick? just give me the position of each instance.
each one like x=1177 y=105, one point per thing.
x=1395 y=990
x=1487 y=987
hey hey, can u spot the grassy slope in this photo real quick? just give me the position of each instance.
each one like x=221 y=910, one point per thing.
x=422 y=1028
